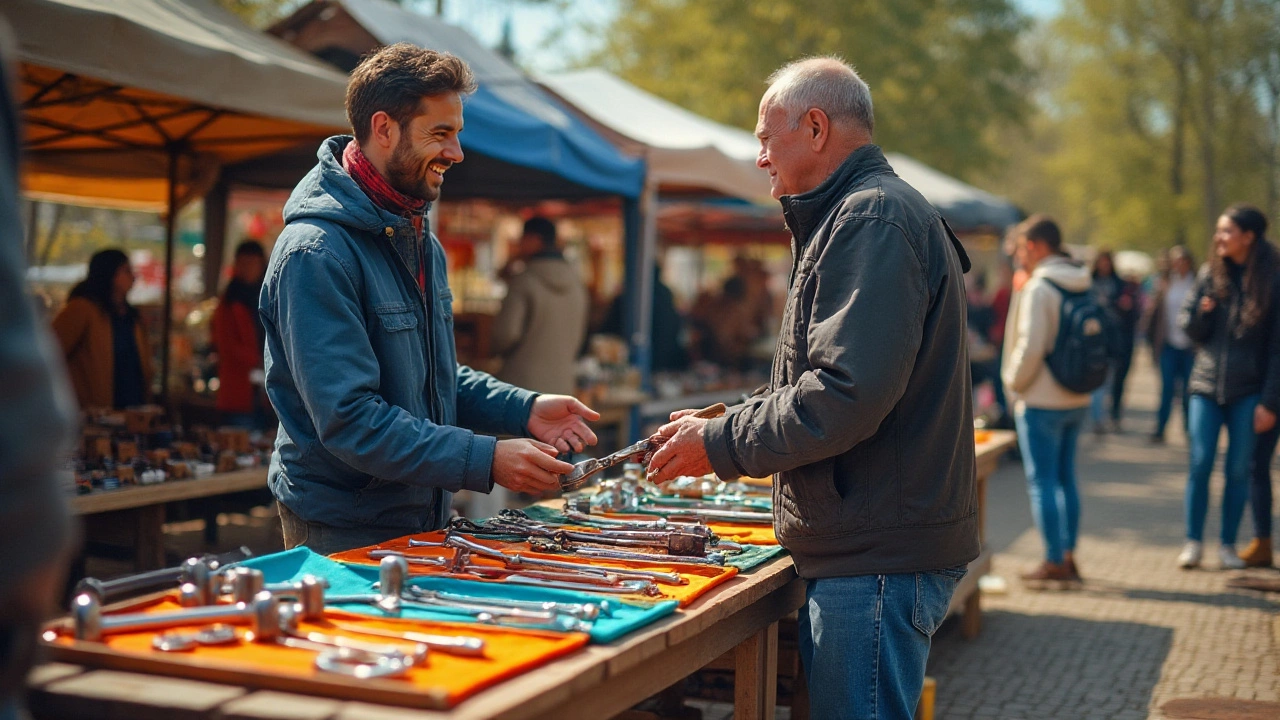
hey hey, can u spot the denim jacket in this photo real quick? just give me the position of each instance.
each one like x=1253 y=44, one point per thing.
x=378 y=422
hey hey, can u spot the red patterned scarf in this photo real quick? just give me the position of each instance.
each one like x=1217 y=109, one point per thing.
x=376 y=186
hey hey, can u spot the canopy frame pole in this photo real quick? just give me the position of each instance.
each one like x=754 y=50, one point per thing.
x=170 y=236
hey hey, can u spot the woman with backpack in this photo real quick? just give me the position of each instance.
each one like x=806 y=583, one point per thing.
x=1233 y=317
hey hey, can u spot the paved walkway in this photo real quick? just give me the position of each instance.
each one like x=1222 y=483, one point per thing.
x=1142 y=633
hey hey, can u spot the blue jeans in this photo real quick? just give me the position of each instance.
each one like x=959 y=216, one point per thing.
x=1048 y=441
x=1206 y=419
x=1260 y=481
x=1175 y=370
x=864 y=641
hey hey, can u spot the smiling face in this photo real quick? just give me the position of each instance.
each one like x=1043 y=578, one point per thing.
x=785 y=152
x=426 y=147
x=1230 y=242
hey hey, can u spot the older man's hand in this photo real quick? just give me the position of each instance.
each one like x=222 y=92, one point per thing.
x=683 y=451
x=561 y=421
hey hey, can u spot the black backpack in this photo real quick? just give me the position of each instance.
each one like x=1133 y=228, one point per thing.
x=1081 y=352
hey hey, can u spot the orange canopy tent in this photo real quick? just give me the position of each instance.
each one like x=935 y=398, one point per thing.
x=139 y=103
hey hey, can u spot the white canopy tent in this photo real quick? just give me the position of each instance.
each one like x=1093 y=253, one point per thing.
x=685 y=151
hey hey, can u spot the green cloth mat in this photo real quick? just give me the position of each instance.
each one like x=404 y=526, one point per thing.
x=345 y=579
x=751 y=556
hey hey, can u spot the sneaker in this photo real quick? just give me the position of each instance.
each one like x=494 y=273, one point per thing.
x=1229 y=558
x=1191 y=555
x=1048 y=576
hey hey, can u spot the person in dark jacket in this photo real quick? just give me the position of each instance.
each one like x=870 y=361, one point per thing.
x=867 y=421
x=238 y=335
x=379 y=424
x=36 y=430
x=1233 y=317
x=1122 y=300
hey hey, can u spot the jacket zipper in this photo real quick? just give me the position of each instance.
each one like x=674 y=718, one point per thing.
x=426 y=313
x=1225 y=355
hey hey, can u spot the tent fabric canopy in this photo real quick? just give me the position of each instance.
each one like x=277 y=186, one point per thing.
x=964 y=206
x=114 y=92
x=509 y=119
x=686 y=152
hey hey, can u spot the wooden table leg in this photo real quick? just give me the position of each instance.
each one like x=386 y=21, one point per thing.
x=150 y=547
x=971 y=620
x=755 y=682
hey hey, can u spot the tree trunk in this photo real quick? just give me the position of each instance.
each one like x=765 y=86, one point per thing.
x=1177 y=172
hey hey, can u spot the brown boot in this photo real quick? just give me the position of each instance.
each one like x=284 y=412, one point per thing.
x=1048 y=576
x=1258 y=554
x=1069 y=559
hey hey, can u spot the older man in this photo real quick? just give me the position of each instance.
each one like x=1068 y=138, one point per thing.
x=867 y=423
x=379 y=425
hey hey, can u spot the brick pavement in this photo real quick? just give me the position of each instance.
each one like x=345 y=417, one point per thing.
x=1141 y=633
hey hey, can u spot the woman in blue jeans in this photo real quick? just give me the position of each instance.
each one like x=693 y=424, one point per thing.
x=1169 y=343
x=1233 y=317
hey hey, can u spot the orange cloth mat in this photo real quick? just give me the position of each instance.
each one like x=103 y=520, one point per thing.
x=447 y=679
x=701 y=577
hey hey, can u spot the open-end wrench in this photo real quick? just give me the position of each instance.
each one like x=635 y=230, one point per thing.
x=582 y=611
x=520 y=562
x=464 y=645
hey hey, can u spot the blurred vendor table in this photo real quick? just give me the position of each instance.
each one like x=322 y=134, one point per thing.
x=600 y=681
x=992 y=445
x=141 y=507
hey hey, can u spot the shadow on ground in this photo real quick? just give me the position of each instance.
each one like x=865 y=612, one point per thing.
x=1022 y=675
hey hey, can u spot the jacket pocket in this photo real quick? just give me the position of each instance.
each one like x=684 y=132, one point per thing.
x=811 y=505
x=396 y=318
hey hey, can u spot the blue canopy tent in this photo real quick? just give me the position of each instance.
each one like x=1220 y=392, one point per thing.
x=522 y=144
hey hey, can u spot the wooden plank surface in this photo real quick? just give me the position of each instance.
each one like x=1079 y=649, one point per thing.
x=596 y=682
x=142 y=495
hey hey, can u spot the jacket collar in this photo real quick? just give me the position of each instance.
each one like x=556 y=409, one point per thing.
x=804 y=212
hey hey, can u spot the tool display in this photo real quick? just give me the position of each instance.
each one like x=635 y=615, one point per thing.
x=195 y=569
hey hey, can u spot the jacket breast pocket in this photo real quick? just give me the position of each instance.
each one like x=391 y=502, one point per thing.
x=396 y=318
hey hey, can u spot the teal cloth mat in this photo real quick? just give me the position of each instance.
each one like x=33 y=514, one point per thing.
x=750 y=557
x=344 y=579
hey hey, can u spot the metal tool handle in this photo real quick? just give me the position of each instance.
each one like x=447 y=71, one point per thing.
x=107 y=591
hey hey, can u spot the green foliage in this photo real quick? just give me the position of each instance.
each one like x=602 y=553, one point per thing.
x=260 y=13
x=1159 y=113
x=942 y=72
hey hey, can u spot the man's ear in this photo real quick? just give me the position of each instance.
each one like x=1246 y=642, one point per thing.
x=384 y=130
x=818 y=126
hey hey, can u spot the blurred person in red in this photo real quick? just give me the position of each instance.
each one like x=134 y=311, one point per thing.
x=238 y=336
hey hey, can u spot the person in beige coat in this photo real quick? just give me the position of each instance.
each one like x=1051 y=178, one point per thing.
x=543 y=320
x=540 y=328
x=1048 y=416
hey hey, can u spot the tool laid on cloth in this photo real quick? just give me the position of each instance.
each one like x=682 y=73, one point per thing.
x=177 y=641
x=514 y=522
x=390 y=598
x=519 y=561
x=716 y=559
x=584 y=470
x=462 y=645
x=196 y=569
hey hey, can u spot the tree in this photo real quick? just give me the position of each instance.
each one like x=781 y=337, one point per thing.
x=1162 y=113
x=942 y=72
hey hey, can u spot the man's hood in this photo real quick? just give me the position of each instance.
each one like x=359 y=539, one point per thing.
x=1065 y=273
x=553 y=272
x=329 y=193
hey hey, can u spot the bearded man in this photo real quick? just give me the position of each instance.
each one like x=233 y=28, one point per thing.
x=379 y=425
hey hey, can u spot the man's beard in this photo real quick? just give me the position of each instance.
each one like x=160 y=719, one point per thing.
x=407 y=173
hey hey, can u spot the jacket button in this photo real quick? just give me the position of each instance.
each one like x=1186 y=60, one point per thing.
x=391 y=232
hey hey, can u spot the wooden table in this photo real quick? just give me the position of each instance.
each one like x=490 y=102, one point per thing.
x=143 y=506
x=967 y=599
x=597 y=682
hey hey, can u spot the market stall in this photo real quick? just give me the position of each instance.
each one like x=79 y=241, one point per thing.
x=116 y=117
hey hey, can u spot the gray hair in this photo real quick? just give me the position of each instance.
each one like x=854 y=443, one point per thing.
x=827 y=83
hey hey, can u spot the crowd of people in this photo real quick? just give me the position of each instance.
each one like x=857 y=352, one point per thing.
x=1215 y=337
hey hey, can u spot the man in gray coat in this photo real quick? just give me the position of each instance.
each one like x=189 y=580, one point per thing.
x=543 y=320
x=867 y=422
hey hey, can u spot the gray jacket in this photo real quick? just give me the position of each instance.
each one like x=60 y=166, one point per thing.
x=378 y=422
x=868 y=419
x=541 y=325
